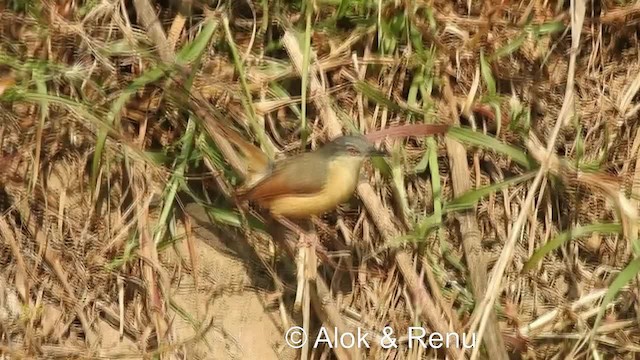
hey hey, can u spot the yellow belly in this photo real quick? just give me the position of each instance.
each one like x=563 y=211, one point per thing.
x=343 y=175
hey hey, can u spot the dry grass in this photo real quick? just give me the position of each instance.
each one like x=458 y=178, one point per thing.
x=519 y=224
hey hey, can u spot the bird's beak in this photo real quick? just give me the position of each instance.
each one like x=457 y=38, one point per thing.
x=376 y=152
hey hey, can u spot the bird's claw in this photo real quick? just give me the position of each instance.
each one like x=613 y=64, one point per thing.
x=305 y=241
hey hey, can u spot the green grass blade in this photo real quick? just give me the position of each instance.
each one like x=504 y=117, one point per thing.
x=187 y=54
x=247 y=99
x=113 y=118
x=548 y=28
x=563 y=237
x=196 y=48
x=177 y=179
x=74 y=106
x=509 y=48
x=487 y=76
x=470 y=198
x=469 y=136
x=280 y=93
x=226 y=216
x=627 y=275
x=378 y=97
x=496 y=108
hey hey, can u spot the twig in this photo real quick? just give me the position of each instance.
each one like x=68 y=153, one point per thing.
x=22 y=274
x=546 y=318
x=150 y=21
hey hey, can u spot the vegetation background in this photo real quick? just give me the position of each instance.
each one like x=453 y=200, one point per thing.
x=121 y=237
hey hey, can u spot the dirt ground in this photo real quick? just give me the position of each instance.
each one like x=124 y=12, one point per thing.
x=244 y=325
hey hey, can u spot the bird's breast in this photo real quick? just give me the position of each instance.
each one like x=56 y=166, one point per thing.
x=341 y=180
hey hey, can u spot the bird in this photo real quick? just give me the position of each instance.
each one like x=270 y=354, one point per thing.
x=312 y=183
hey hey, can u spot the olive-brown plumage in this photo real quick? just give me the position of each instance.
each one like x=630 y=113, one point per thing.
x=315 y=182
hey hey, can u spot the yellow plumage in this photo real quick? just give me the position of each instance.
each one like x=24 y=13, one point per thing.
x=342 y=173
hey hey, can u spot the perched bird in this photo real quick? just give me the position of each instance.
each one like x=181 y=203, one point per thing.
x=313 y=183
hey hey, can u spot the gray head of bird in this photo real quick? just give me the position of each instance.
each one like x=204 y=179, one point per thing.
x=356 y=146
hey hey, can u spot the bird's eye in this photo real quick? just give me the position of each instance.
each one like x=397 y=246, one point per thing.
x=352 y=150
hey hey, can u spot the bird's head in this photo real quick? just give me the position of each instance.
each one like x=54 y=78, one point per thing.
x=356 y=146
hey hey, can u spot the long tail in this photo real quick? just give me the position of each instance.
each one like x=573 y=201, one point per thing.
x=257 y=162
x=408 y=130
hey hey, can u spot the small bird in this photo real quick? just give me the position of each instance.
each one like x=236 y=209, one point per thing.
x=313 y=183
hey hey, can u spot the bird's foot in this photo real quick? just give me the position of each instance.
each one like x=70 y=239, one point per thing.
x=306 y=241
x=303 y=239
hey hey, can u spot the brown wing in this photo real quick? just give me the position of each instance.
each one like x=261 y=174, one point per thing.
x=297 y=175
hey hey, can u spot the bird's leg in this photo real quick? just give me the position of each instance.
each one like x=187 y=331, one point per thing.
x=304 y=240
x=302 y=234
x=306 y=267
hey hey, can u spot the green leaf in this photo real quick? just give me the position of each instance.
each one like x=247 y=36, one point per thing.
x=563 y=237
x=279 y=92
x=375 y=95
x=187 y=54
x=122 y=47
x=496 y=108
x=487 y=76
x=470 y=198
x=114 y=116
x=627 y=275
x=520 y=117
x=225 y=216
x=177 y=179
x=342 y=9
x=579 y=144
x=509 y=48
x=431 y=19
x=159 y=157
x=488 y=142
x=548 y=28
x=195 y=48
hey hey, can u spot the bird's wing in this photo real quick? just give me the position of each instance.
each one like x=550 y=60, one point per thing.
x=303 y=178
